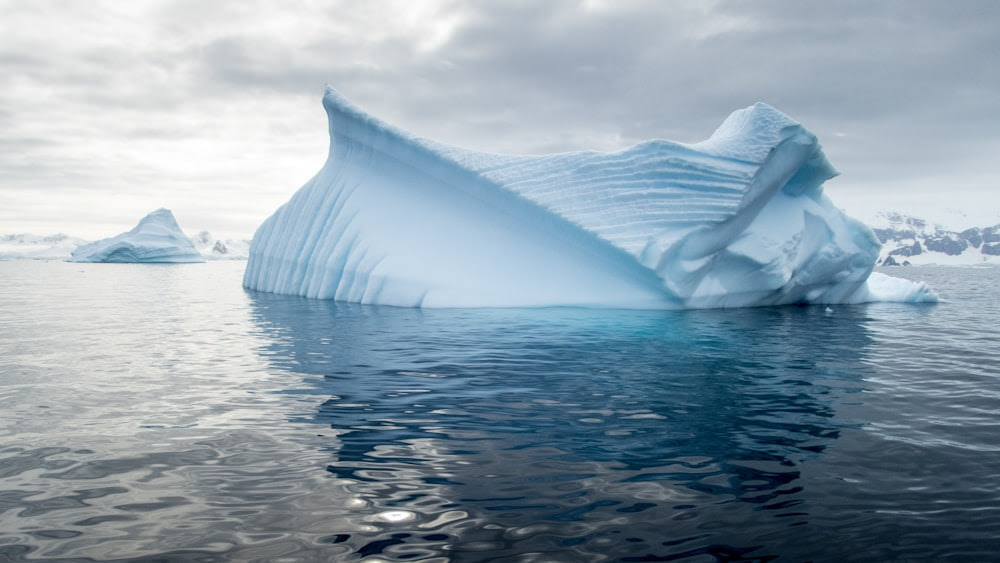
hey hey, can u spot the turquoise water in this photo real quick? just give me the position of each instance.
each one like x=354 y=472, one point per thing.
x=161 y=412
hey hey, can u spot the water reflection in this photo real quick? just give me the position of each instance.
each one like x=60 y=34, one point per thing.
x=565 y=434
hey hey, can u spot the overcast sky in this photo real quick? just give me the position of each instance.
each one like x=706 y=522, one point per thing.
x=109 y=110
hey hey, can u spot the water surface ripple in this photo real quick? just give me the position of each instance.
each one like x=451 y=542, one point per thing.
x=163 y=413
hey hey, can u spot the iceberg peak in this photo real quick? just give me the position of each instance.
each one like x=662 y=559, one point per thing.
x=156 y=238
x=737 y=220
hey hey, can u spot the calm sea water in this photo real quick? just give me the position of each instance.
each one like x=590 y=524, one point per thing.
x=160 y=412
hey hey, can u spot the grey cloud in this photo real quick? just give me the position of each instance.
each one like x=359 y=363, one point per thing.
x=893 y=89
x=898 y=78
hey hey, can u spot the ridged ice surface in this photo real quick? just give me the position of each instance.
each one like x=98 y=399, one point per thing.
x=626 y=198
x=157 y=238
x=737 y=220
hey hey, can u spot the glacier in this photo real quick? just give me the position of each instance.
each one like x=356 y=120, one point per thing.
x=734 y=221
x=157 y=238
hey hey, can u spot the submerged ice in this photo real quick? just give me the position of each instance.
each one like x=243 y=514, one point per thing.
x=737 y=220
x=157 y=238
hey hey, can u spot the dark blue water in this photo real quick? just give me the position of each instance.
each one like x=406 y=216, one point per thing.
x=162 y=413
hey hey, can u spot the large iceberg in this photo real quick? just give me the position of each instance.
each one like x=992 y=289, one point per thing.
x=157 y=238
x=737 y=220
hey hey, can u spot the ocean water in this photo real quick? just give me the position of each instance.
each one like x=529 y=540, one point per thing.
x=162 y=413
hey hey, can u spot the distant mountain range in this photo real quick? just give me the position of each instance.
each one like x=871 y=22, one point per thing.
x=911 y=241
x=35 y=247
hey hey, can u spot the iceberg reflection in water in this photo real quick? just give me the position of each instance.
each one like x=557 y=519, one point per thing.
x=580 y=434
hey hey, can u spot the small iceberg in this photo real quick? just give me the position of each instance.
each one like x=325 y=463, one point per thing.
x=156 y=239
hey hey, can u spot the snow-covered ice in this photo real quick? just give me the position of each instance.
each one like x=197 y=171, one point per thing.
x=881 y=287
x=737 y=220
x=157 y=238
x=23 y=246
x=212 y=248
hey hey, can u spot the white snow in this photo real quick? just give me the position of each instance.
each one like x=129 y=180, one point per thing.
x=737 y=220
x=904 y=231
x=969 y=257
x=34 y=247
x=157 y=238
x=930 y=212
x=212 y=248
x=882 y=287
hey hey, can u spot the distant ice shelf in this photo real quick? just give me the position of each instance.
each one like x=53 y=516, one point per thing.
x=24 y=246
x=157 y=238
x=737 y=220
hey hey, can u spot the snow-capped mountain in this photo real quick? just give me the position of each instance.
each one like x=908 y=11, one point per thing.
x=156 y=239
x=912 y=241
x=212 y=248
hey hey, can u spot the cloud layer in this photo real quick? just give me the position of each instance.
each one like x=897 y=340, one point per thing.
x=109 y=110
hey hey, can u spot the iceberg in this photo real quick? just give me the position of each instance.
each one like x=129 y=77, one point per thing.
x=157 y=238
x=737 y=220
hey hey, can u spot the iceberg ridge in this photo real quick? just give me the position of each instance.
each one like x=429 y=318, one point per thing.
x=157 y=238
x=737 y=220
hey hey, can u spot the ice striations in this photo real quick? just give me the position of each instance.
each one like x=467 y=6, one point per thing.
x=157 y=238
x=737 y=220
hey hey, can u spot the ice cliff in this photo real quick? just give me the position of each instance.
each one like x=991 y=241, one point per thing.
x=737 y=220
x=157 y=238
